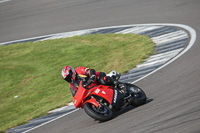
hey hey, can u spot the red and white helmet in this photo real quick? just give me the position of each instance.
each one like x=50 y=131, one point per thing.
x=68 y=73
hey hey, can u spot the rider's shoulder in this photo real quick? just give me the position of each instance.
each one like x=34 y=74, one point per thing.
x=80 y=70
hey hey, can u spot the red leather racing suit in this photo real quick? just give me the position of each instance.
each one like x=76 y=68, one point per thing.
x=92 y=77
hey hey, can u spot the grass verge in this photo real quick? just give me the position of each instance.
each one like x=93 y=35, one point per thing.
x=31 y=70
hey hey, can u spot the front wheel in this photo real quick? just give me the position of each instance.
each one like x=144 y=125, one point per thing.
x=101 y=114
x=139 y=97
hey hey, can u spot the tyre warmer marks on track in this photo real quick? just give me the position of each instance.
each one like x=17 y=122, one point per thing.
x=169 y=40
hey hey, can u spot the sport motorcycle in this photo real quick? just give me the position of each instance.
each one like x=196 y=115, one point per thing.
x=101 y=102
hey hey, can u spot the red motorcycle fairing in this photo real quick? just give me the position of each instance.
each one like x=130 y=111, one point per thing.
x=105 y=92
x=92 y=101
x=78 y=98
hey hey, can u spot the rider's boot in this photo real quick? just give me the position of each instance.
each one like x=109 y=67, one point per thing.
x=123 y=88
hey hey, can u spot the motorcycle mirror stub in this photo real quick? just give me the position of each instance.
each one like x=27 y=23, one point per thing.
x=118 y=76
x=112 y=73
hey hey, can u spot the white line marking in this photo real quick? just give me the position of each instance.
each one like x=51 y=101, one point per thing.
x=147 y=29
x=192 y=40
x=163 y=55
x=132 y=30
x=170 y=37
x=50 y=121
x=161 y=61
x=70 y=106
x=65 y=35
x=191 y=43
x=141 y=29
x=171 y=34
x=1 y=1
x=152 y=59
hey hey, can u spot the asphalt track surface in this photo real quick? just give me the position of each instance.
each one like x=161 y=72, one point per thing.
x=174 y=90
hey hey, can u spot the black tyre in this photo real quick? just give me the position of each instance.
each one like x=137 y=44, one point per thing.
x=102 y=114
x=138 y=97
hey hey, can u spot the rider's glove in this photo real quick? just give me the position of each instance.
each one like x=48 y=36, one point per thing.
x=109 y=80
x=89 y=82
x=84 y=84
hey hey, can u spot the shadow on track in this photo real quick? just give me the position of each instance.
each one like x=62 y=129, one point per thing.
x=125 y=110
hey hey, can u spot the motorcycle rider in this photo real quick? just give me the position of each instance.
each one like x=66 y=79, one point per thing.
x=87 y=75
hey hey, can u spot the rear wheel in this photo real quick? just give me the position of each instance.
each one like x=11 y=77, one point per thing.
x=101 y=114
x=138 y=97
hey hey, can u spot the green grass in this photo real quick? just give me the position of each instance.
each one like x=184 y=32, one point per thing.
x=31 y=70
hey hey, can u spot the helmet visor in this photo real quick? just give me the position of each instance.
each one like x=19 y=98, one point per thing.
x=69 y=77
